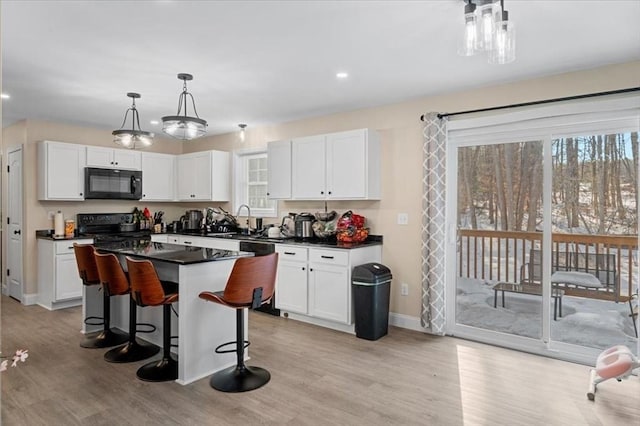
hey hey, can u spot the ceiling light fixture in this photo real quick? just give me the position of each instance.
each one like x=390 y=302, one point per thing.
x=487 y=29
x=183 y=126
x=133 y=138
x=342 y=75
x=242 y=135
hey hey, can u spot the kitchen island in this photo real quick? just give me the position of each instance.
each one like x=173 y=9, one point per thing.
x=201 y=326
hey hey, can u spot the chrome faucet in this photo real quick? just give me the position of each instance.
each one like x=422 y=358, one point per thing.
x=248 y=216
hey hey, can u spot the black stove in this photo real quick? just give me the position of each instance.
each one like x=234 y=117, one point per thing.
x=105 y=228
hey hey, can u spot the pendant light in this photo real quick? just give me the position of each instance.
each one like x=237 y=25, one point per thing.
x=133 y=138
x=487 y=28
x=469 y=42
x=242 y=135
x=182 y=126
x=504 y=39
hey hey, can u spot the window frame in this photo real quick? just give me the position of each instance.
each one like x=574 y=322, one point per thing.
x=240 y=183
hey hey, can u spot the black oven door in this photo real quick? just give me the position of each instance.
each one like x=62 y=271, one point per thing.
x=110 y=184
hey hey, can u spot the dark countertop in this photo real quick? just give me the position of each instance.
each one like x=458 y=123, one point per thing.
x=173 y=253
x=47 y=234
x=372 y=240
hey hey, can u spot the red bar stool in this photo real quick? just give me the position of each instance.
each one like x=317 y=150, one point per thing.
x=88 y=271
x=148 y=290
x=115 y=283
x=250 y=285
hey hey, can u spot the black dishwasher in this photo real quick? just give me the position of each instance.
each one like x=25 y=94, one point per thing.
x=260 y=248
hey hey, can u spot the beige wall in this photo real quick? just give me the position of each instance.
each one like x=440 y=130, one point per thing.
x=401 y=133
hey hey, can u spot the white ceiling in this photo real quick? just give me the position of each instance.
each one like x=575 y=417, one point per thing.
x=267 y=62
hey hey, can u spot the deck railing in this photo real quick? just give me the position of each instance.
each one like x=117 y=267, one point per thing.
x=499 y=255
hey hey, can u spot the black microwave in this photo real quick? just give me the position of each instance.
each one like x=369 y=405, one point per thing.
x=112 y=184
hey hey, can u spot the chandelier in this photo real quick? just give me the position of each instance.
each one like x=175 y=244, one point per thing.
x=182 y=126
x=487 y=29
x=134 y=138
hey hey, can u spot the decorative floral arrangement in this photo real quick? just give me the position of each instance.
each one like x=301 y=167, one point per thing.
x=21 y=355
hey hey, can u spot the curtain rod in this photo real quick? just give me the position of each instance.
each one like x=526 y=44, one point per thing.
x=545 y=101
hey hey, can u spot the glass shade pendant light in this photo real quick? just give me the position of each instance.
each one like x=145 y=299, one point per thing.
x=182 y=126
x=486 y=25
x=133 y=138
x=504 y=41
x=242 y=135
x=469 y=43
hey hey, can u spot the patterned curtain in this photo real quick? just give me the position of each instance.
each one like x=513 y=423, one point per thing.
x=433 y=223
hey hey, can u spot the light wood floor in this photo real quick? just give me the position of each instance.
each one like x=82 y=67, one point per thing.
x=319 y=377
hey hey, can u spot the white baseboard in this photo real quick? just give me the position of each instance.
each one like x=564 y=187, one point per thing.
x=30 y=299
x=405 y=321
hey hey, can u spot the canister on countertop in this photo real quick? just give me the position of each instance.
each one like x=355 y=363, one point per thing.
x=69 y=228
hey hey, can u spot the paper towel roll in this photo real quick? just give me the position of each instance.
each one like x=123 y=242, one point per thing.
x=58 y=225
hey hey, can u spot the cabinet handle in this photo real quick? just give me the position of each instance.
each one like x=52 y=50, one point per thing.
x=321 y=192
x=111 y=163
x=327 y=257
x=70 y=248
x=329 y=192
x=188 y=242
x=303 y=268
x=81 y=194
x=144 y=195
x=116 y=163
x=289 y=253
x=310 y=269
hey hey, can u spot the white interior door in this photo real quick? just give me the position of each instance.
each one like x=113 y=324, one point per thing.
x=14 y=227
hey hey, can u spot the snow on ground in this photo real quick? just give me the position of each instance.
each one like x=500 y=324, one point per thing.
x=586 y=322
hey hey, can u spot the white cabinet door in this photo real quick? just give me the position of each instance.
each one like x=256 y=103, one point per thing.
x=194 y=176
x=160 y=238
x=220 y=182
x=291 y=287
x=113 y=158
x=60 y=171
x=346 y=165
x=279 y=170
x=329 y=292
x=308 y=168
x=221 y=244
x=127 y=159
x=158 y=177
x=100 y=157
x=68 y=284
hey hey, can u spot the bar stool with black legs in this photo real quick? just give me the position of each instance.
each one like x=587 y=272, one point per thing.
x=250 y=285
x=115 y=282
x=88 y=271
x=148 y=290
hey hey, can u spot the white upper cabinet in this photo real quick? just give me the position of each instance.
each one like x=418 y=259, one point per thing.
x=203 y=176
x=113 y=158
x=60 y=171
x=158 y=177
x=353 y=165
x=279 y=170
x=308 y=168
x=336 y=166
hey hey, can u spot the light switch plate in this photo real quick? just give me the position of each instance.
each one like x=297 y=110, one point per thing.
x=403 y=219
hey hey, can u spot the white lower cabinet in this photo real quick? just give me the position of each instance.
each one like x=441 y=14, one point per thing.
x=291 y=282
x=329 y=286
x=317 y=282
x=59 y=284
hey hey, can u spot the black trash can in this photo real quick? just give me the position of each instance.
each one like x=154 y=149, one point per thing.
x=371 y=285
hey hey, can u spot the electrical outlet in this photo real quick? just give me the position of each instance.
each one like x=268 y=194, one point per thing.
x=404 y=289
x=403 y=219
x=51 y=215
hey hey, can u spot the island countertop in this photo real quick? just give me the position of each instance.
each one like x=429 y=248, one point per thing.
x=173 y=253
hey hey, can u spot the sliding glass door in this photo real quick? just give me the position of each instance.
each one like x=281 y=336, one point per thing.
x=542 y=241
x=498 y=217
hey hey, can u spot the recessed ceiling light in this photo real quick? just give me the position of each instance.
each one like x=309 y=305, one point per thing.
x=154 y=122
x=5 y=96
x=342 y=75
